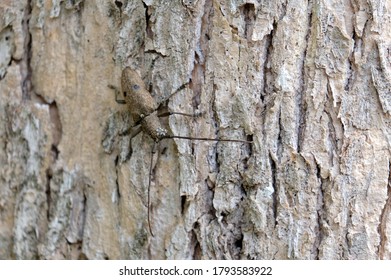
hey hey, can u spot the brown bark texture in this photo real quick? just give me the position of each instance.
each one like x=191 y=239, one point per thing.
x=308 y=81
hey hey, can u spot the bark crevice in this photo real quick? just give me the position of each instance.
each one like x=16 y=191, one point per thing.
x=25 y=66
x=384 y=219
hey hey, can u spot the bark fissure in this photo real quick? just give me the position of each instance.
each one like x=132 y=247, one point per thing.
x=302 y=105
x=55 y=120
x=320 y=210
x=200 y=56
x=280 y=137
x=350 y=76
x=119 y=4
x=117 y=187
x=25 y=66
x=197 y=251
x=267 y=88
x=49 y=177
x=248 y=12
x=273 y=170
x=384 y=220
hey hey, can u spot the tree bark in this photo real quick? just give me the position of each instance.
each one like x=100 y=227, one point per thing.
x=307 y=81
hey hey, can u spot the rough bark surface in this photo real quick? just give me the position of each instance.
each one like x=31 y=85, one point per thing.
x=308 y=81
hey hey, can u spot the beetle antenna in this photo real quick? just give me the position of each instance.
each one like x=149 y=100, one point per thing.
x=207 y=139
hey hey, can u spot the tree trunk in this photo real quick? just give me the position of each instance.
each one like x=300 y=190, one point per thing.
x=307 y=81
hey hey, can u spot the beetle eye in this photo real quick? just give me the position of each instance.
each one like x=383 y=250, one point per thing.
x=136 y=87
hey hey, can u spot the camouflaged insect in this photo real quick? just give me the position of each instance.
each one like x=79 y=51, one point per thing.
x=142 y=105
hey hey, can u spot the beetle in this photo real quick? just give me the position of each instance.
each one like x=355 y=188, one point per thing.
x=144 y=111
